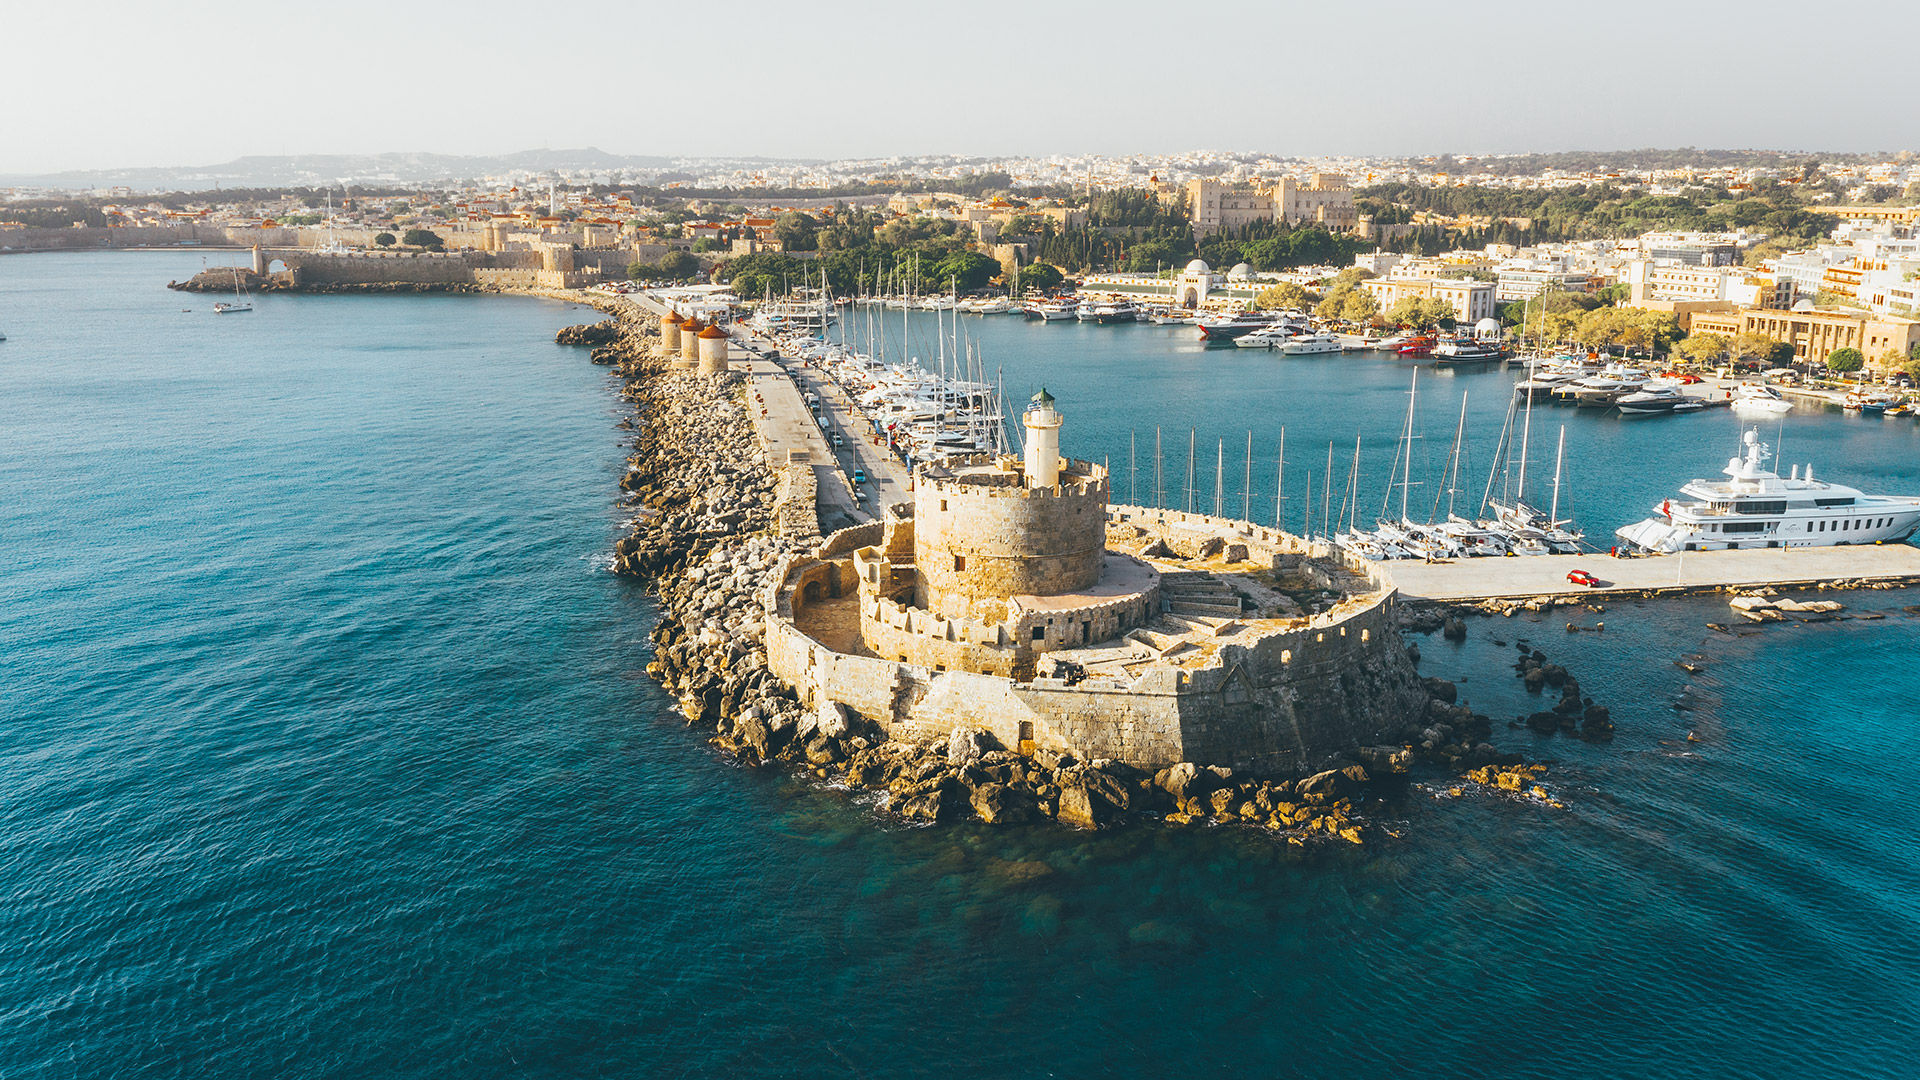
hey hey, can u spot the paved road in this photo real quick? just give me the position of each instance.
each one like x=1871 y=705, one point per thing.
x=888 y=481
x=1546 y=575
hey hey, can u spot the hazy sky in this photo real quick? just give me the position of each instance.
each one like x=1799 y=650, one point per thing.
x=200 y=83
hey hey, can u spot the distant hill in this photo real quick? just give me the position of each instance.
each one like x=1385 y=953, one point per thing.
x=1685 y=157
x=314 y=170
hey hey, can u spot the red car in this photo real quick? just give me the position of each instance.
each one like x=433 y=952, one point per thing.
x=1682 y=379
x=1581 y=577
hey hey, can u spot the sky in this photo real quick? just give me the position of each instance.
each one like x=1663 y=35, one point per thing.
x=194 y=82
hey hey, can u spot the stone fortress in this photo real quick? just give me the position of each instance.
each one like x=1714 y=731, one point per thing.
x=1010 y=596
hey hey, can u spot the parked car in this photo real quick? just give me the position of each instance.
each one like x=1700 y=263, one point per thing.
x=859 y=476
x=1582 y=577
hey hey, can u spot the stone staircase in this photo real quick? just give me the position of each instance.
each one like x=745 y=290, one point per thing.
x=1197 y=593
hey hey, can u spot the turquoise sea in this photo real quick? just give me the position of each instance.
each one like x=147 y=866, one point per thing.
x=327 y=752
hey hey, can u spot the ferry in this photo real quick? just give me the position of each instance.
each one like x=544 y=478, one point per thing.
x=1758 y=508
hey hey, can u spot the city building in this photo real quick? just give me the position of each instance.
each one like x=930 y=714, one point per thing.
x=1471 y=300
x=1326 y=200
x=1740 y=286
x=1814 y=333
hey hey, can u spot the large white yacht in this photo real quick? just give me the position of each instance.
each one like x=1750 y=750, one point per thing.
x=1757 y=508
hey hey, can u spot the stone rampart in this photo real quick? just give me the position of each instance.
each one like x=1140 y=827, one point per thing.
x=1288 y=700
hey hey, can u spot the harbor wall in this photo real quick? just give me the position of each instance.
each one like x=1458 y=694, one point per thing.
x=1287 y=701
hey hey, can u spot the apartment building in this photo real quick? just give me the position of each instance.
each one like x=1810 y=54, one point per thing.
x=1471 y=300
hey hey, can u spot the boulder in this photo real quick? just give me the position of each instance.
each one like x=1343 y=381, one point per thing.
x=831 y=720
x=1389 y=760
x=1177 y=780
x=997 y=804
x=1211 y=546
x=1442 y=690
x=933 y=804
x=965 y=747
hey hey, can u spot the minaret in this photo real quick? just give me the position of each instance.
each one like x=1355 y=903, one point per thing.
x=1043 y=441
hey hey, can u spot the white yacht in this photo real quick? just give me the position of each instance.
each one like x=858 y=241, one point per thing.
x=1267 y=337
x=1757 y=508
x=1755 y=398
x=1311 y=343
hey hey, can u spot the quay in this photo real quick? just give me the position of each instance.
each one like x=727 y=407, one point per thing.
x=1678 y=574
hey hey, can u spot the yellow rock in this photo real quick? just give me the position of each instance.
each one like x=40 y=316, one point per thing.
x=1350 y=835
x=1511 y=781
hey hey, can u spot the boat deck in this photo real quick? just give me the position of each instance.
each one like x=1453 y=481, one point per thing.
x=1694 y=571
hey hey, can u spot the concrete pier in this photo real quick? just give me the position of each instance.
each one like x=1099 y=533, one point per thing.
x=1694 y=571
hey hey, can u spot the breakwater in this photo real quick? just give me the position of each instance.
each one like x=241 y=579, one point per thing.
x=704 y=530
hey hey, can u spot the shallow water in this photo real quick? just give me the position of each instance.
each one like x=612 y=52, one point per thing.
x=328 y=753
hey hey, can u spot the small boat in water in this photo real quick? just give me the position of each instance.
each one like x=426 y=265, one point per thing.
x=1466 y=350
x=1755 y=398
x=1652 y=399
x=1306 y=344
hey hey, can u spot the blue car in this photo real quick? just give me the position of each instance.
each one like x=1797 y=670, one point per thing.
x=859 y=476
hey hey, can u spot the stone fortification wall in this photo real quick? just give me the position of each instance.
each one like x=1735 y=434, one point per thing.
x=413 y=267
x=1288 y=701
x=975 y=540
x=1269 y=546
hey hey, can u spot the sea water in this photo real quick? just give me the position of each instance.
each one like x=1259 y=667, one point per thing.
x=327 y=752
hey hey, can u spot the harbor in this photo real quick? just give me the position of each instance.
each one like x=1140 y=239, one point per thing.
x=1680 y=574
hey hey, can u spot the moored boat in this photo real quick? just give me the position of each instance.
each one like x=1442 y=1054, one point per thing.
x=1758 y=508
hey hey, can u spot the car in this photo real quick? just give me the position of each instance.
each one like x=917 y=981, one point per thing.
x=1681 y=377
x=1582 y=577
x=836 y=440
x=859 y=476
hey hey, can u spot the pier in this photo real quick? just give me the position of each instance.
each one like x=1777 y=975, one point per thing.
x=1690 y=572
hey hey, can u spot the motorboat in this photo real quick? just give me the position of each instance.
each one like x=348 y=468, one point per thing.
x=1756 y=398
x=1756 y=507
x=1305 y=344
x=1104 y=314
x=1274 y=336
x=1417 y=346
x=1652 y=399
x=1466 y=350
x=1224 y=328
x=1053 y=310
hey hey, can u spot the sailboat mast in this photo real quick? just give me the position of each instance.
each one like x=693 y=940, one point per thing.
x=1220 y=478
x=1280 y=484
x=1559 y=458
x=1246 y=488
x=1526 y=432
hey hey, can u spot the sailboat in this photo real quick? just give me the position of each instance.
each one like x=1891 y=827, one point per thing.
x=241 y=300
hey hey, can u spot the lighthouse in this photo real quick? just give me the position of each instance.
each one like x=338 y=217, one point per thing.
x=1043 y=441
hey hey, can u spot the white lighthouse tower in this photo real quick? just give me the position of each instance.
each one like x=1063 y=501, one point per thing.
x=1043 y=441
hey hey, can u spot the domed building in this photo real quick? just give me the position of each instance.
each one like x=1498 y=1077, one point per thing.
x=1240 y=272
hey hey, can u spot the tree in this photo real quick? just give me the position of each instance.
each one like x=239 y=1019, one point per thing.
x=1421 y=312
x=1359 y=306
x=1750 y=344
x=424 y=238
x=965 y=270
x=384 y=240
x=1705 y=350
x=1845 y=360
x=1285 y=295
x=708 y=243
x=1040 y=276
x=796 y=231
x=678 y=265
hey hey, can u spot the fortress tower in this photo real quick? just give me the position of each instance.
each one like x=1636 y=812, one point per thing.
x=987 y=530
